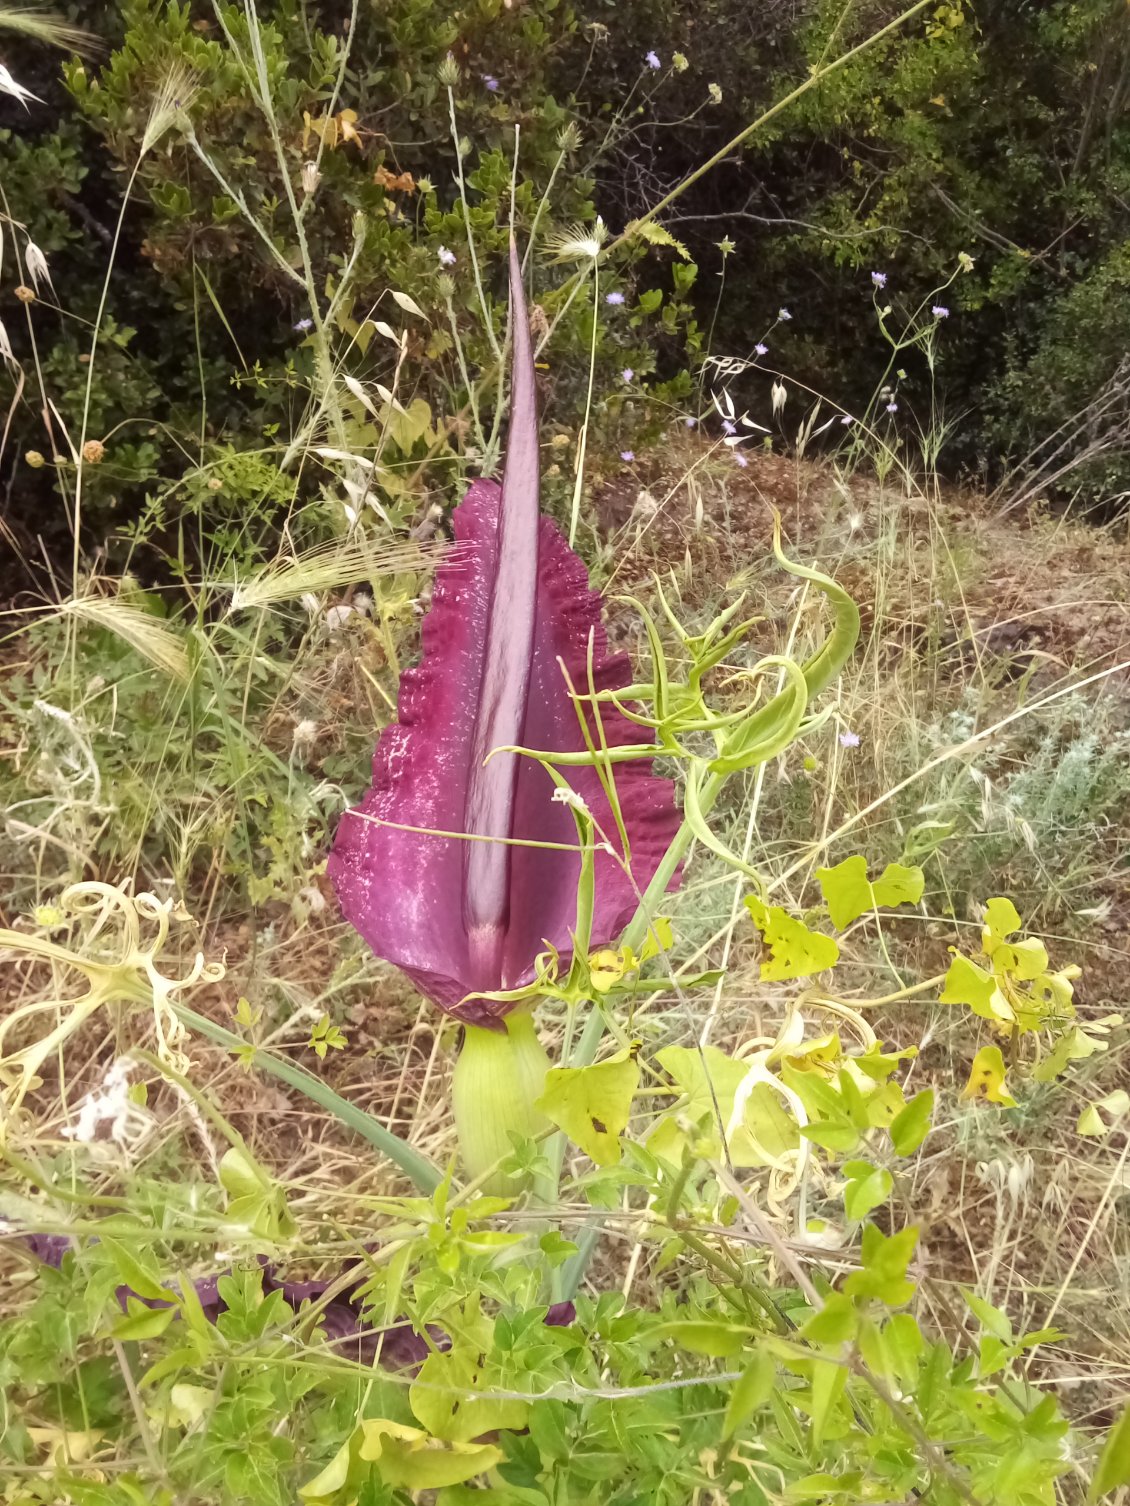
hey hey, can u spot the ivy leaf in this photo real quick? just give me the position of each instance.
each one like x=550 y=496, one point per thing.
x=966 y=983
x=1099 y=1118
x=1002 y=919
x=444 y=1399
x=593 y=1104
x=849 y=894
x=795 y=951
x=867 y=1187
x=986 y=1079
x=409 y=1459
x=910 y=1127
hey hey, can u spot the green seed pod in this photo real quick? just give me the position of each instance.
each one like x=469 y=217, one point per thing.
x=498 y=1079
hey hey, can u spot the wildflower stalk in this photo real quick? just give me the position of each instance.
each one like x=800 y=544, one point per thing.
x=488 y=323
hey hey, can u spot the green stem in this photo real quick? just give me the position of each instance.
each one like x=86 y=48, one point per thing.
x=498 y=1079
x=423 y=1174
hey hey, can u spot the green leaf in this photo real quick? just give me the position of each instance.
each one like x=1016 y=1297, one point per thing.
x=848 y=893
x=142 y=1279
x=835 y=1323
x=1114 y=1462
x=909 y=1128
x=884 y=1266
x=443 y=1400
x=966 y=983
x=795 y=951
x=716 y=1339
x=143 y=1322
x=828 y=1382
x=866 y=1188
x=751 y=1391
x=1002 y=919
x=1099 y=1118
x=990 y=1318
x=593 y=1104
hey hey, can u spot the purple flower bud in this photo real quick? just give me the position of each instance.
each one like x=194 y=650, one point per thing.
x=784 y=315
x=940 y=311
x=892 y=406
x=740 y=459
x=879 y=279
x=691 y=423
x=849 y=739
x=446 y=257
x=729 y=426
x=627 y=374
x=761 y=349
x=614 y=298
x=491 y=82
x=303 y=325
x=628 y=455
x=652 y=60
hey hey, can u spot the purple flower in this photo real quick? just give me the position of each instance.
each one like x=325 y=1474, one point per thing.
x=491 y=82
x=652 y=60
x=761 y=349
x=740 y=459
x=847 y=419
x=627 y=374
x=628 y=455
x=729 y=426
x=849 y=739
x=691 y=423
x=303 y=325
x=940 y=311
x=464 y=918
x=446 y=257
x=614 y=298
x=879 y=279
x=784 y=314
x=892 y=406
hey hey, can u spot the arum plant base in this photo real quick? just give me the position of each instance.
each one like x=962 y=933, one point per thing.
x=498 y=1079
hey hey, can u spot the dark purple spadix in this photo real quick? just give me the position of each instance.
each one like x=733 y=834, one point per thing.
x=510 y=607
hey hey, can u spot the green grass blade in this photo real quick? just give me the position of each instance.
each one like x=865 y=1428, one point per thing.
x=416 y=1167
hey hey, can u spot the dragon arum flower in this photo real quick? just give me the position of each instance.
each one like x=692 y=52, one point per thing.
x=459 y=866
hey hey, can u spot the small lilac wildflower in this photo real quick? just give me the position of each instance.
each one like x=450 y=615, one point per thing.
x=849 y=739
x=446 y=257
x=879 y=279
x=892 y=406
x=652 y=60
x=491 y=82
x=740 y=459
x=784 y=315
x=614 y=298
x=847 y=419
x=691 y=423
x=628 y=455
x=761 y=349
x=303 y=325
x=627 y=374
x=729 y=426
x=940 y=311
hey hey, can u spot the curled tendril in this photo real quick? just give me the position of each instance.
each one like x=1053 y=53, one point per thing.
x=119 y=939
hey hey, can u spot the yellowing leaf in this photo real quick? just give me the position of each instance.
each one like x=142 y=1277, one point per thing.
x=606 y=968
x=593 y=1104
x=1099 y=1118
x=986 y=1079
x=655 y=235
x=1002 y=919
x=444 y=1400
x=849 y=894
x=409 y=305
x=966 y=983
x=795 y=951
x=410 y=1459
